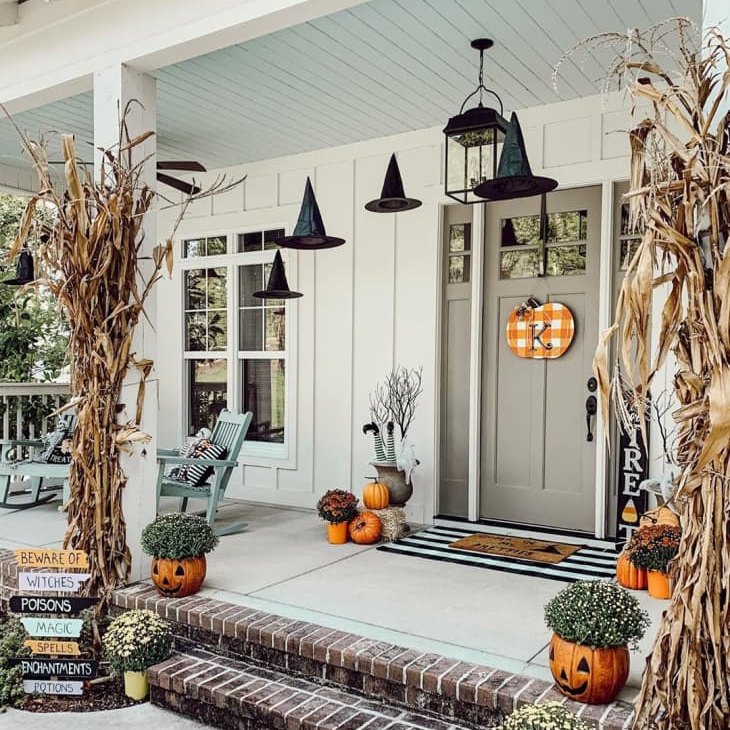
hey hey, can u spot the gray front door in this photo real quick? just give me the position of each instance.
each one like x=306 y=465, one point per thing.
x=537 y=465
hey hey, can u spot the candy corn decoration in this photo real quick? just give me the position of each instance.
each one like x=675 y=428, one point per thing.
x=630 y=513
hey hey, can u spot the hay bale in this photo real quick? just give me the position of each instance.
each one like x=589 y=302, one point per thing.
x=394 y=522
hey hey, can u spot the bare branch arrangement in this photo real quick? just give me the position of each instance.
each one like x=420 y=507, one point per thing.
x=91 y=258
x=680 y=185
x=395 y=399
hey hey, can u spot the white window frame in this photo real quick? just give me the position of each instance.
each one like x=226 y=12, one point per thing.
x=253 y=453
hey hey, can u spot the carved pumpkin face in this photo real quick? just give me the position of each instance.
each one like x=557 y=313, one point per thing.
x=178 y=578
x=586 y=674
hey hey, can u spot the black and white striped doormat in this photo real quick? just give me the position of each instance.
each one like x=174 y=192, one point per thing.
x=432 y=543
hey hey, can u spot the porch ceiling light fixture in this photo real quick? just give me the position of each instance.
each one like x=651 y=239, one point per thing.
x=473 y=139
x=514 y=177
x=277 y=286
x=24 y=273
x=392 y=198
x=309 y=232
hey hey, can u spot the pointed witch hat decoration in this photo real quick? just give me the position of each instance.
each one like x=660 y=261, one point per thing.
x=277 y=287
x=514 y=175
x=24 y=272
x=393 y=198
x=309 y=232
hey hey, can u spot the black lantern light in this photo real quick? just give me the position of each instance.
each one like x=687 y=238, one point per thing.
x=473 y=140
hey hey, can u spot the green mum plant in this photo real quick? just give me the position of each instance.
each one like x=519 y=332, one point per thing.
x=136 y=640
x=597 y=613
x=12 y=638
x=653 y=547
x=178 y=535
x=337 y=505
x=549 y=716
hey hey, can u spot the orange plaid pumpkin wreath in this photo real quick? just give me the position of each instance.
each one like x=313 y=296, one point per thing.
x=542 y=331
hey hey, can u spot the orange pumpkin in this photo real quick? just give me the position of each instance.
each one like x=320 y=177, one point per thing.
x=628 y=575
x=178 y=578
x=587 y=674
x=366 y=528
x=376 y=496
x=659 y=516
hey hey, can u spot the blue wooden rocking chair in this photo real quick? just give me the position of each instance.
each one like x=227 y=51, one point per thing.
x=229 y=432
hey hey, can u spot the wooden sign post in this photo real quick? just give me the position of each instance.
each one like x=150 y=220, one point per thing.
x=48 y=671
x=633 y=468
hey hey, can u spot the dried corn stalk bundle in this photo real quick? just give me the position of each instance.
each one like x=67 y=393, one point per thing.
x=680 y=186
x=91 y=259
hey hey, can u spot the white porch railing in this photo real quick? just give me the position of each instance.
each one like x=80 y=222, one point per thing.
x=25 y=408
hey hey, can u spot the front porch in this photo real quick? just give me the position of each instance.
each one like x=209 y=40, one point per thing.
x=283 y=565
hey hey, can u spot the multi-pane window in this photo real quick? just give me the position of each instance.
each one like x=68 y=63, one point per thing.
x=549 y=246
x=235 y=344
x=459 y=258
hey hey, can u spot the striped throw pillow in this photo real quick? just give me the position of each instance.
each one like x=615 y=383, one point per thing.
x=197 y=475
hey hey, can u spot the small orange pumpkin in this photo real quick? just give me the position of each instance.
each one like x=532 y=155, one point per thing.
x=178 y=578
x=628 y=575
x=588 y=674
x=376 y=496
x=366 y=528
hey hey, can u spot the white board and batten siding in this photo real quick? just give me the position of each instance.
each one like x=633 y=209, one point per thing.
x=371 y=303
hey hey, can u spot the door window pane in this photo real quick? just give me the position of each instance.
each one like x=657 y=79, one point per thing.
x=459 y=253
x=566 y=260
x=263 y=395
x=521 y=230
x=459 y=237
x=208 y=393
x=459 y=269
x=568 y=226
x=521 y=264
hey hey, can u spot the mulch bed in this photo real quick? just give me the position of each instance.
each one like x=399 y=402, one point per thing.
x=104 y=696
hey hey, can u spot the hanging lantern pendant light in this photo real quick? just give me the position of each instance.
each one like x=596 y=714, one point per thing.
x=393 y=197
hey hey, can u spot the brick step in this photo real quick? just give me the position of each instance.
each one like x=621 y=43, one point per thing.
x=461 y=692
x=243 y=696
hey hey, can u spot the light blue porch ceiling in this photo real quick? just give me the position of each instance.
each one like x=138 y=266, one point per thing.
x=380 y=68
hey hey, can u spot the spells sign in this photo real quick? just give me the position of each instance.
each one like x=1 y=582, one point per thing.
x=54 y=648
x=56 y=582
x=58 y=668
x=50 y=604
x=41 y=558
x=53 y=687
x=57 y=627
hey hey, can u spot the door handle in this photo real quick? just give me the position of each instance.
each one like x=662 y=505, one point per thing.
x=591 y=409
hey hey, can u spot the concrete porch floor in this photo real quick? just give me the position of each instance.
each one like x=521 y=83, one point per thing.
x=283 y=564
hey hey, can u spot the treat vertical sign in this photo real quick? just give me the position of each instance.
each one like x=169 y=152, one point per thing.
x=48 y=620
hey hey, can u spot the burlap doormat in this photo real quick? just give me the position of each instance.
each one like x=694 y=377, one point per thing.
x=522 y=548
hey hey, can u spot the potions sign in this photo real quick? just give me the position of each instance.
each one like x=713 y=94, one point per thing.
x=633 y=468
x=49 y=671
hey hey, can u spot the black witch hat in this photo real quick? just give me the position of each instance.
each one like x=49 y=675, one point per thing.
x=393 y=198
x=514 y=176
x=24 y=273
x=309 y=232
x=277 y=286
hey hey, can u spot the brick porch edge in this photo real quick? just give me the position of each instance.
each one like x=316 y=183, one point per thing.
x=453 y=690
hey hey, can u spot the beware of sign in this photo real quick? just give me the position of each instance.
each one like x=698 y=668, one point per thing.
x=55 y=582
x=53 y=687
x=50 y=604
x=53 y=647
x=56 y=627
x=58 y=668
x=41 y=558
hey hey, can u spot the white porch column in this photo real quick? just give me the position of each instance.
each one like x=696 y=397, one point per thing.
x=114 y=88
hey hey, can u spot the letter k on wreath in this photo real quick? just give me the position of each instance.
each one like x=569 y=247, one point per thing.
x=540 y=331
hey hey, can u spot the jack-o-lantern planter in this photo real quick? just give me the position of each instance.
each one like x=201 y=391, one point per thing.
x=178 y=578
x=588 y=674
x=178 y=543
x=593 y=622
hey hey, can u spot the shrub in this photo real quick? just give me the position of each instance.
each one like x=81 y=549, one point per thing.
x=136 y=640
x=550 y=716
x=337 y=505
x=654 y=546
x=12 y=636
x=178 y=535
x=597 y=613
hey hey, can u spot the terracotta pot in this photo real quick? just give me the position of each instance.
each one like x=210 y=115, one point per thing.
x=659 y=585
x=136 y=685
x=587 y=674
x=178 y=578
x=337 y=533
x=395 y=479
